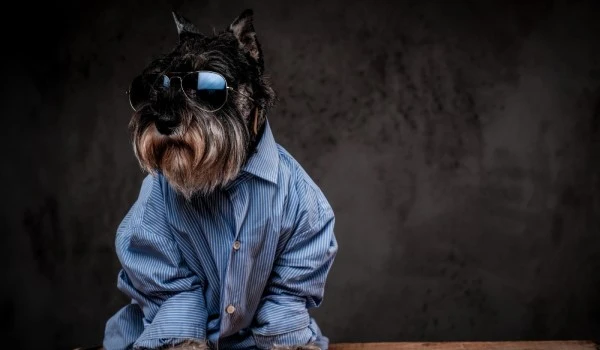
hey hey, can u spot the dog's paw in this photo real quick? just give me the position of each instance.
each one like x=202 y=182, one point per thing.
x=188 y=345
x=296 y=347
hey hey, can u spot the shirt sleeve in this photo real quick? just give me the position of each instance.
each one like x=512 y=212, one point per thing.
x=297 y=282
x=155 y=276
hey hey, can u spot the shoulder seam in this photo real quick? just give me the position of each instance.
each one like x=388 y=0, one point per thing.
x=143 y=205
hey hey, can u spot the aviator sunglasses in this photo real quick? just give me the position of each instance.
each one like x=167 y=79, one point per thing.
x=208 y=88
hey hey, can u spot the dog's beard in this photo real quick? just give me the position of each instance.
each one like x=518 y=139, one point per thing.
x=205 y=151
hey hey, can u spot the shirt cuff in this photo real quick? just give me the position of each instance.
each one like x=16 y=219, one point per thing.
x=299 y=337
x=310 y=334
x=181 y=317
x=281 y=314
x=159 y=343
x=123 y=328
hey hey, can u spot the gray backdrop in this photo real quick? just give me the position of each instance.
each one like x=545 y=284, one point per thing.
x=458 y=143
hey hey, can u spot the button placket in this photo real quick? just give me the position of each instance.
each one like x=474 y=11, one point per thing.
x=231 y=296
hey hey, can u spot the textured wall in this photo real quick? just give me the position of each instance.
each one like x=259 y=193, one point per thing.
x=458 y=143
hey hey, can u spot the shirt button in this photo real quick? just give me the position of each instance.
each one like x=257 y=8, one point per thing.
x=230 y=309
x=237 y=245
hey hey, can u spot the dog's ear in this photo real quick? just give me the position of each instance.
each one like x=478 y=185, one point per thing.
x=243 y=29
x=184 y=26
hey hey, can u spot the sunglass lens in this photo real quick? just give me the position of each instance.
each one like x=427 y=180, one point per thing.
x=142 y=87
x=210 y=88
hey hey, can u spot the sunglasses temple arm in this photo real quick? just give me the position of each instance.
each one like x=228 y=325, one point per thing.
x=238 y=92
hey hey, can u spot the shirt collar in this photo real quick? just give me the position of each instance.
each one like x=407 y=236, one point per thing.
x=264 y=163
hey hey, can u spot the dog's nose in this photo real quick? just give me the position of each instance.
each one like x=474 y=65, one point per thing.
x=165 y=128
x=166 y=124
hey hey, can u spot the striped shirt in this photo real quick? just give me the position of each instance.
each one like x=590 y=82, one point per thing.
x=238 y=268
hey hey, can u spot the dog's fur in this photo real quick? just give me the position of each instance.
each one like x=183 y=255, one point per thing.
x=200 y=151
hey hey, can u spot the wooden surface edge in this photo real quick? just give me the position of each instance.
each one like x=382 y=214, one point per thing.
x=496 y=345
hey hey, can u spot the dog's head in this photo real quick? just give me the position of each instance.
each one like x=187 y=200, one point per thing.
x=200 y=109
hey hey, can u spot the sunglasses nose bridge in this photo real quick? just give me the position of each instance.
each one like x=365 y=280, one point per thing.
x=175 y=82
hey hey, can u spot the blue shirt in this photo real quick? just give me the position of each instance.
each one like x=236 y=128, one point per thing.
x=238 y=268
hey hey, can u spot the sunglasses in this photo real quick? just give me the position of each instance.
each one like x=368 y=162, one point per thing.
x=208 y=88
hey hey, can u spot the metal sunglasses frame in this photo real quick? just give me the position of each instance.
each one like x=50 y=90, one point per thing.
x=181 y=76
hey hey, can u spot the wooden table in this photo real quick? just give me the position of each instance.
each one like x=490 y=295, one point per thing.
x=525 y=345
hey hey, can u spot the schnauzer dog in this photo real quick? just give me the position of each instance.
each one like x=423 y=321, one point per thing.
x=230 y=241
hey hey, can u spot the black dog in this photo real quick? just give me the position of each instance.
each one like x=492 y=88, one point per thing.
x=230 y=241
x=199 y=150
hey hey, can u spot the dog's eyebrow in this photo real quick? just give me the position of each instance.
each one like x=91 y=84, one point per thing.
x=215 y=61
x=211 y=52
x=200 y=60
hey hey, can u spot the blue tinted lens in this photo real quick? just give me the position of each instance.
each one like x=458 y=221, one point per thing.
x=209 y=88
x=211 y=81
x=166 y=82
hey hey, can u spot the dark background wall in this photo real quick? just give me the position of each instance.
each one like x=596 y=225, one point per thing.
x=458 y=143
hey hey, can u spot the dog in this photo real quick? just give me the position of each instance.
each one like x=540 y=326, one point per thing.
x=230 y=241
